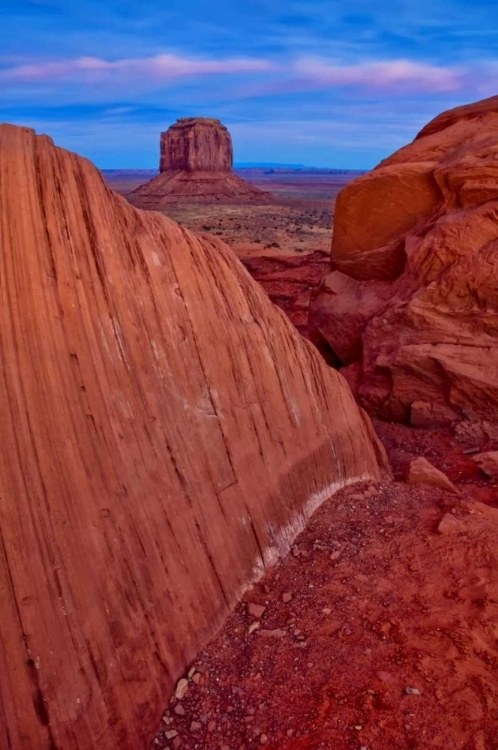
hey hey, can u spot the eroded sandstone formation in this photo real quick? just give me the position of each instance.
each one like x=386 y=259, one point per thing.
x=289 y=280
x=196 y=144
x=165 y=435
x=410 y=307
x=196 y=164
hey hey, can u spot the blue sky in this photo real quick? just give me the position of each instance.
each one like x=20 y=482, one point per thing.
x=318 y=82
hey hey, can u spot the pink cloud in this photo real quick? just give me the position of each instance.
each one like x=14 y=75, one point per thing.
x=391 y=74
x=301 y=74
x=160 y=67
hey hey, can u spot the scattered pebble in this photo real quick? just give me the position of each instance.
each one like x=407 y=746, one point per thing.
x=171 y=734
x=181 y=689
x=179 y=710
x=272 y=633
x=287 y=597
x=412 y=691
x=195 y=726
x=253 y=626
x=255 y=610
x=263 y=739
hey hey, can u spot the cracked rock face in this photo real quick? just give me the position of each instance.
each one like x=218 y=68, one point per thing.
x=410 y=307
x=165 y=435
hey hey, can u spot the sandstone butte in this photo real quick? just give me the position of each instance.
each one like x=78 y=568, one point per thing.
x=196 y=165
x=166 y=433
x=410 y=307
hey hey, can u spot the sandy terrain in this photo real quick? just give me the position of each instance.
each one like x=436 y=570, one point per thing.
x=298 y=221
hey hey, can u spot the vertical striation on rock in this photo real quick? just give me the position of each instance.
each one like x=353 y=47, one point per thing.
x=411 y=306
x=165 y=435
x=196 y=165
x=196 y=144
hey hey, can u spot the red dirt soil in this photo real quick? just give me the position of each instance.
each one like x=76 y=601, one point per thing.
x=381 y=602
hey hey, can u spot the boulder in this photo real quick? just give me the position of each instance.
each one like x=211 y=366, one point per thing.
x=421 y=471
x=166 y=433
x=450 y=525
x=488 y=464
x=411 y=302
x=196 y=165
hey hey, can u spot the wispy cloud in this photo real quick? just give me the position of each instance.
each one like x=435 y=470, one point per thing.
x=106 y=77
x=381 y=74
x=159 y=67
x=318 y=72
x=298 y=74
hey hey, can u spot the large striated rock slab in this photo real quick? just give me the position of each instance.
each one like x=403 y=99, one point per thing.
x=196 y=165
x=166 y=433
x=411 y=305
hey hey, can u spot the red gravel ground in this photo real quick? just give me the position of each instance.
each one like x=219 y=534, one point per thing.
x=379 y=632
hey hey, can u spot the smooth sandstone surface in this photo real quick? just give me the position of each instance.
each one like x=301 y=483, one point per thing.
x=411 y=305
x=196 y=165
x=166 y=433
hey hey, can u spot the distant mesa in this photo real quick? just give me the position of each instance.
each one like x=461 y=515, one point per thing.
x=196 y=144
x=196 y=165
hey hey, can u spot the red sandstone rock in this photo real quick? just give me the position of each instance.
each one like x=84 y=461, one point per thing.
x=450 y=525
x=289 y=280
x=196 y=165
x=411 y=305
x=473 y=111
x=196 y=144
x=421 y=471
x=166 y=433
x=488 y=464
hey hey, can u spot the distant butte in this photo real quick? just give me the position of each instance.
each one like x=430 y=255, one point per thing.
x=196 y=165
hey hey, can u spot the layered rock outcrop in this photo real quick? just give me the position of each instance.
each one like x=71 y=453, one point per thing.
x=289 y=280
x=196 y=144
x=196 y=164
x=165 y=435
x=411 y=307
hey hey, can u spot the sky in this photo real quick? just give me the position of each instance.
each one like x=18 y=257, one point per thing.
x=314 y=82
